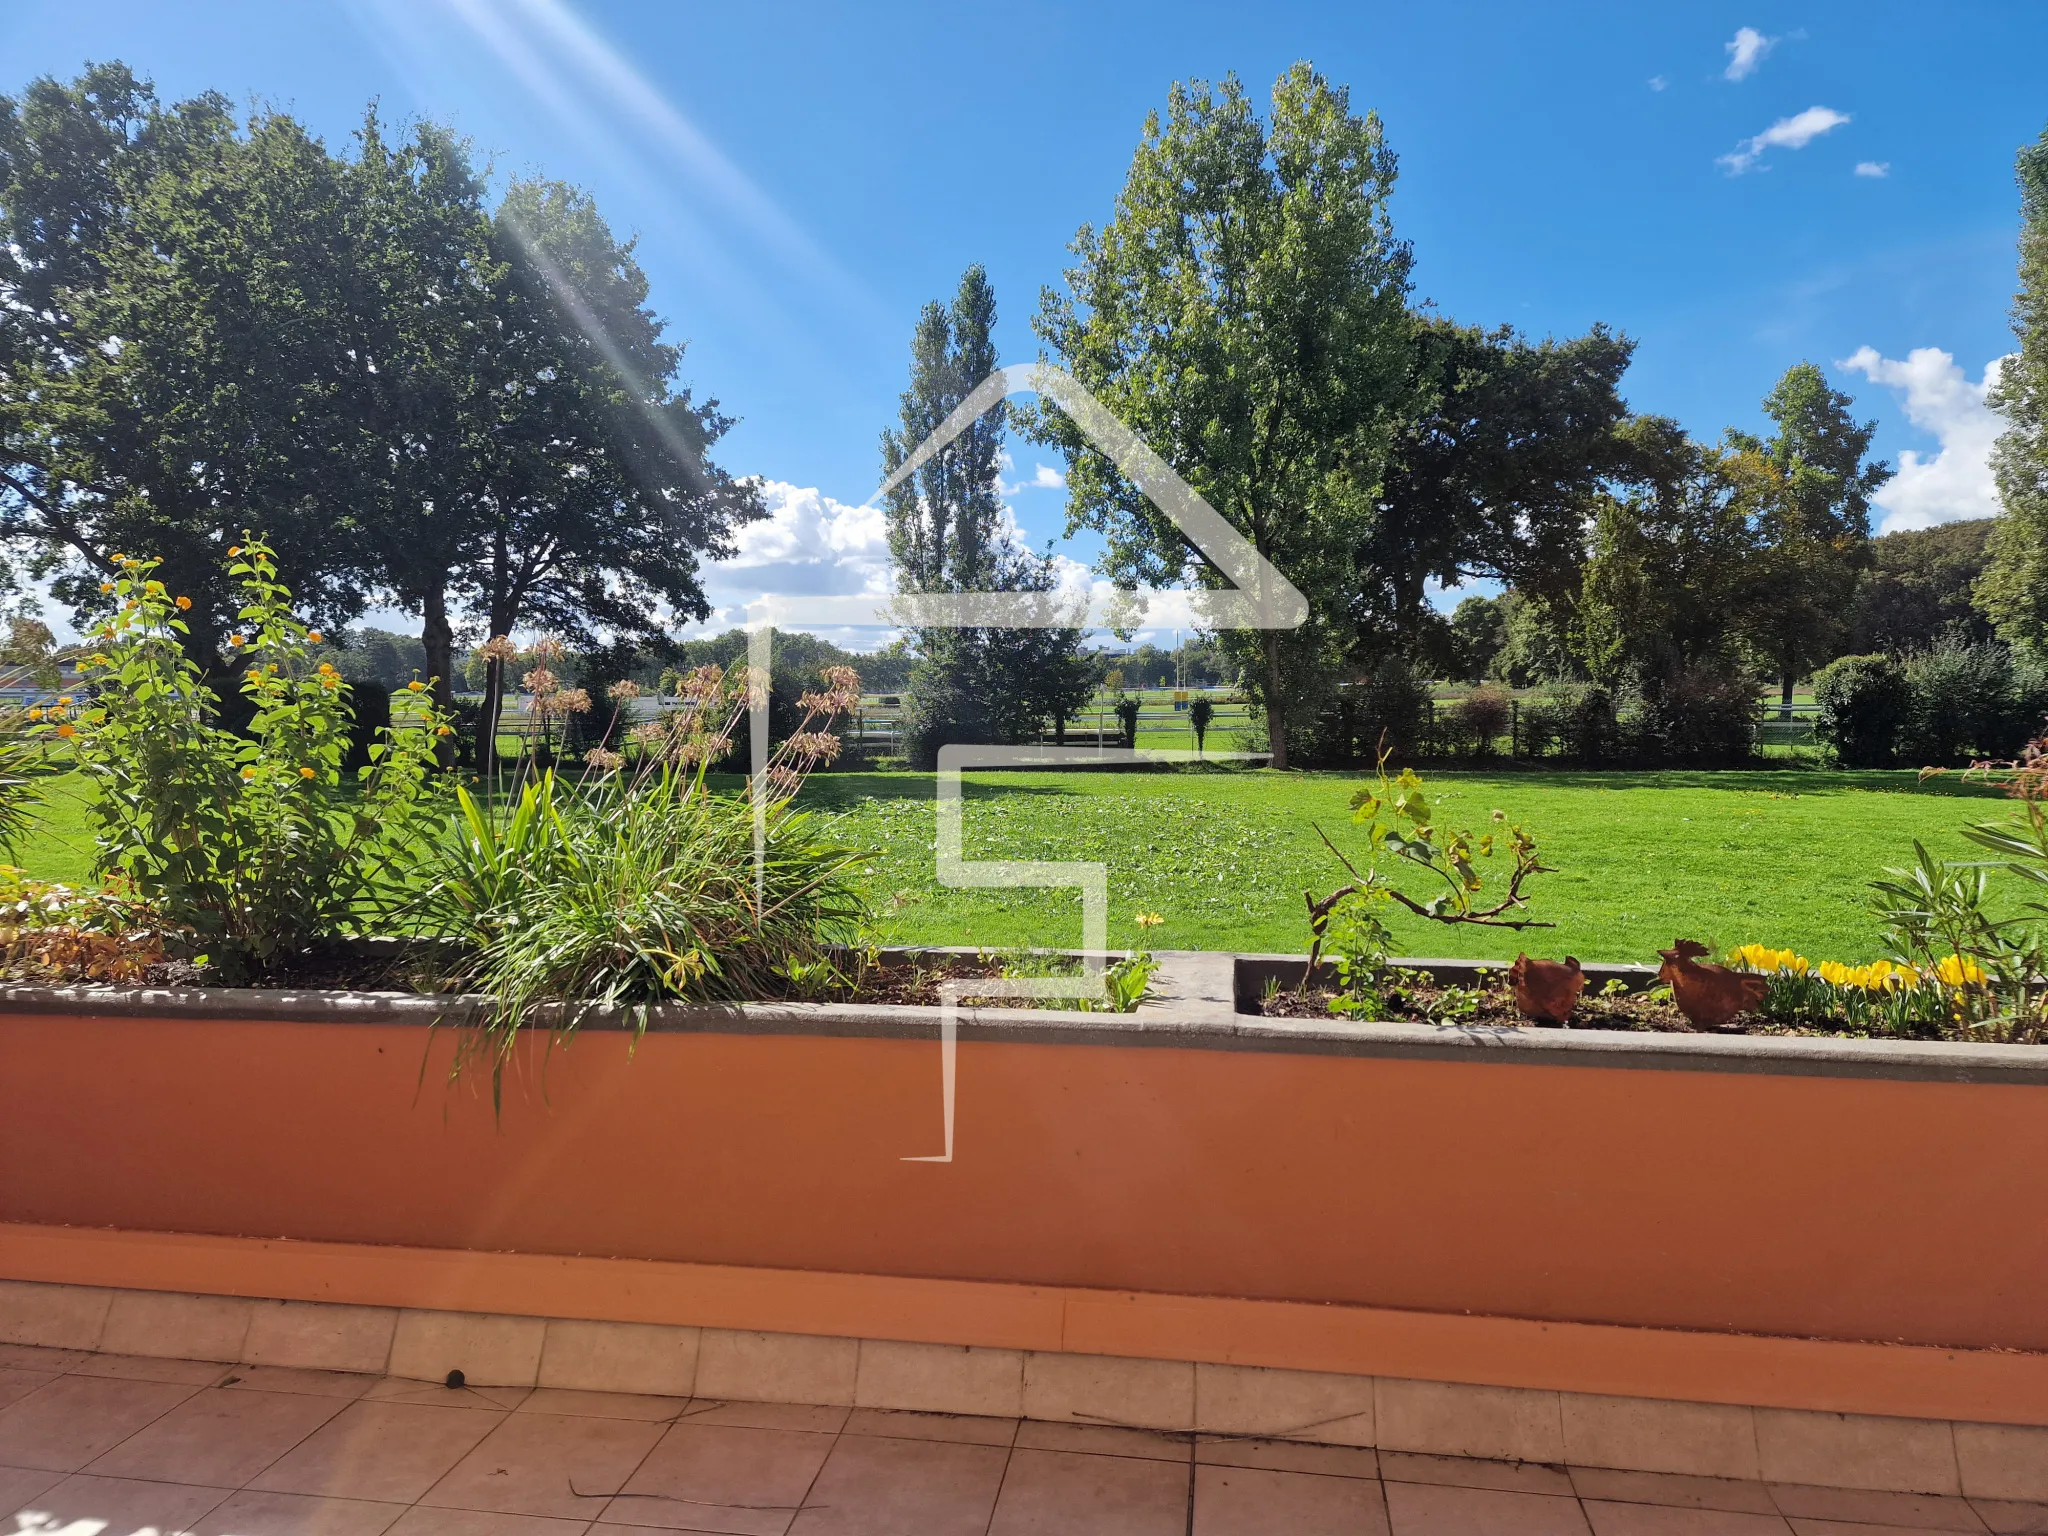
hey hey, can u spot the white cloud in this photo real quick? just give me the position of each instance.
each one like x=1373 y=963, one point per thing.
x=1043 y=478
x=1875 y=169
x=1795 y=132
x=1658 y=82
x=808 y=545
x=1939 y=399
x=1746 y=50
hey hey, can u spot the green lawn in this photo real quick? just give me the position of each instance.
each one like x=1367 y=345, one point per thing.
x=1224 y=856
x=1642 y=858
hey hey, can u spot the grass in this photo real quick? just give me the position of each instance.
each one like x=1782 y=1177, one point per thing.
x=1782 y=857
x=1779 y=857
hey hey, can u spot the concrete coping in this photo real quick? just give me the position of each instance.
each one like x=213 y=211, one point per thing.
x=1193 y=1007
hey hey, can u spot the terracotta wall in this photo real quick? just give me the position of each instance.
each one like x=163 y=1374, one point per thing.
x=1846 y=1208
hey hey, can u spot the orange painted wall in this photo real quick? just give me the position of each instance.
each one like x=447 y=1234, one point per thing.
x=1817 y=1207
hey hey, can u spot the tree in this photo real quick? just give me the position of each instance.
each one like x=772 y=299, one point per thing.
x=2014 y=591
x=1919 y=585
x=1496 y=472
x=1244 y=312
x=1479 y=628
x=947 y=533
x=1812 y=523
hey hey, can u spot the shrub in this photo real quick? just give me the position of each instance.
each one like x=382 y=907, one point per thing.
x=1127 y=718
x=1964 y=703
x=1701 y=716
x=1484 y=714
x=1389 y=708
x=245 y=843
x=1864 y=701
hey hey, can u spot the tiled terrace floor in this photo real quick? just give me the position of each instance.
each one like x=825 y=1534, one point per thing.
x=97 y=1445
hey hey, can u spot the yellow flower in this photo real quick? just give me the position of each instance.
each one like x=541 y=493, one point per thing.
x=415 y=687
x=235 y=640
x=1955 y=971
x=1149 y=919
x=326 y=667
x=35 y=714
x=63 y=698
x=1836 y=974
x=67 y=729
x=305 y=773
x=184 y=602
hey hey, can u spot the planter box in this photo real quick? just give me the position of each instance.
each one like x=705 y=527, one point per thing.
x=1857 y=1226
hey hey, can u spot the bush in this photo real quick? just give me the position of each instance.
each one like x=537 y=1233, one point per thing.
x=1127 y=718
x=242 y=844
x=1700 y=717
x=1864 y=701
x=1484 y=714
x=1964 y=703
x=1390 y=706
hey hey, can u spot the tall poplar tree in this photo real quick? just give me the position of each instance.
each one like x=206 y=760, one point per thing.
x=2014 y=588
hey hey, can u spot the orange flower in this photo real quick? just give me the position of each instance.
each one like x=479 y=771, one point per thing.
x=106 y=586
x=67 y=729
x=313 y=635
x=415 y=687
x=35 y=714
x=248 y=773
x=234 y=550
x=305 y=773
x=184 y=602
x=234 y=640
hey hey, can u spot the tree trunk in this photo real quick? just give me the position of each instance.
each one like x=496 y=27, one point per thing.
x=487 y=725
x=1276 y=716
x=437 y=637
x=1785 y=699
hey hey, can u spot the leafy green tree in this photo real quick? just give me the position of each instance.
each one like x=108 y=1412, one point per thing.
x=2014 y=591
x=1244 y=312
x=1919 y=585
x=1496 y=472
x=1812 y=523
x=1479 y=628
x=948 y=533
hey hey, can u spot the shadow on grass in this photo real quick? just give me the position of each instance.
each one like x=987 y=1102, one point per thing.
x=1797 y=781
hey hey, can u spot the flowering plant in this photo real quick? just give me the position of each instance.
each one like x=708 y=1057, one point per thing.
x=248 y=845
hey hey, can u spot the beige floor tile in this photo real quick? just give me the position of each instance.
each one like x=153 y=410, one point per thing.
x=218 y=1437
x=2012 y=1517
x=1438 y=1418
x=1057 y=1493
x=620 y=1357
x=1250 y=1501
x=776 y=1367
x=320 y=1336
x=428 y=1394
x=959 y=1428
x=1651 y=1435
x=1105 y=1389
x=1669 y=1488
x=52 y=1316
x=389 y=1452
x=800 y=1416
x=190 y=1373
x=879 y=1487
x=20 y=1485
x=1913 y=1511
x=719 y=1477
x=2003 y=1461
x=489 y=1350
x=546 y=1464
x=291 y=1378
x=1422 y=1509
x=1473 y=1472
x=1286 y=1456
x=15 y=1385
x=1857 y=1451
x=603 y=1405
x=1301 y=1405
x=33 y=1357
x=252 y=1513
x=1105 y=1440
x=177 y=1326
x=940 y=1378
x=118 y=1506
x=77 y=1418
x=1658 y=1520
x=422 y=1521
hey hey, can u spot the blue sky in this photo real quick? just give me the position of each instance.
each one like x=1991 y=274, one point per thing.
x=802 y=178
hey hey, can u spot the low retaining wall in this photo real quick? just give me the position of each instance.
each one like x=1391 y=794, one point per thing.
x=1851 y=1226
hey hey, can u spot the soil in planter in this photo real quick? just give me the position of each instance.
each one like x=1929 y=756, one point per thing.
x=1493 y=1006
